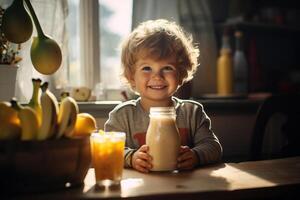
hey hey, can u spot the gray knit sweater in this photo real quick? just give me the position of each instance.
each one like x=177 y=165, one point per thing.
x=193 y=124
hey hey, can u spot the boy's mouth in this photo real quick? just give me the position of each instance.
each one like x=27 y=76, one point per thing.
x=157 y=87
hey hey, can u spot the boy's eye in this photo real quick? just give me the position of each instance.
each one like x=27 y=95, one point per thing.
x=168 y=68
x=146 y=68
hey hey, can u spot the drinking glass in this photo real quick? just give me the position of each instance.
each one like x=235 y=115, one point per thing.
x=107 y=149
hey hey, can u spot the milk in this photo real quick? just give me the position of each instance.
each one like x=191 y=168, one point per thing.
x=163 y=138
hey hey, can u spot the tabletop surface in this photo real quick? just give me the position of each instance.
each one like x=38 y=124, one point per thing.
x=268 y=178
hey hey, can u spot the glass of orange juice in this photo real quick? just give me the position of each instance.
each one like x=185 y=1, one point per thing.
x=107 y=150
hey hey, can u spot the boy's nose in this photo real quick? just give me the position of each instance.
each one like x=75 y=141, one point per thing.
x=157 y=75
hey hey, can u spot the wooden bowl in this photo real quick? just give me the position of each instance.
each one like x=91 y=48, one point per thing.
x=43 y=165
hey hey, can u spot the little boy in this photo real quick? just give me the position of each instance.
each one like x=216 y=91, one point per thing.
x=157 y=58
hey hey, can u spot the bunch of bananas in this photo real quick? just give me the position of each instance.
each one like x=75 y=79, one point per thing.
x=43 y=118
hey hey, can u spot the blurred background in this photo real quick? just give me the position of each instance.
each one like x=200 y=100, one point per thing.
x=90 y=31
x=271 y=40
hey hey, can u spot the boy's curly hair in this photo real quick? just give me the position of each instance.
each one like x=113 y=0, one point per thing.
x=160 y=39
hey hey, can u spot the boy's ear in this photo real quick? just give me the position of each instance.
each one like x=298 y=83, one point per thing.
x=130 y=79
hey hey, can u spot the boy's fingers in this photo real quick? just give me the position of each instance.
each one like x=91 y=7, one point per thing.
x=185 y=156
x=185 y=165
x=183 y=149
x=141 y=169
x=144 y=156
x=142 y=165
x=144 y=148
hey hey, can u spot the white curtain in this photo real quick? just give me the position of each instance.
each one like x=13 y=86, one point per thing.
x=52 y=17
x=195 y=17
x=89 y=42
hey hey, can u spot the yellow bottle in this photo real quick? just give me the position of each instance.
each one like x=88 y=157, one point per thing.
x=225 y=69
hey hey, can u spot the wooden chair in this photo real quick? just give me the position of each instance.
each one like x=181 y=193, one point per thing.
x=284 y=104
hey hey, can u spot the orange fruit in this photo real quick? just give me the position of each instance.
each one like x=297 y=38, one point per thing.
x=10 y=131
x=8 y=114
x=85 y=124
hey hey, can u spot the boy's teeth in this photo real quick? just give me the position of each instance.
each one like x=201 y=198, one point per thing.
x=157 y=87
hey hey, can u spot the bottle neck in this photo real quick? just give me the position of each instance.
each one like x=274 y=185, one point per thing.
x=238 y=44
x=238 y=41
x=162 y=112
x=226 y=48
x=225 y=51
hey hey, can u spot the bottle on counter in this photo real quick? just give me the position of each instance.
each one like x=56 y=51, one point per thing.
x=163 y=138
x=240 y=66
x=225 y=68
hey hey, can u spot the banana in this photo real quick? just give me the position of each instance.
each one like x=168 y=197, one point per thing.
x=10 y=127
x=49 y=106
x=28 y=119
x=34 y=102
x=67 y=116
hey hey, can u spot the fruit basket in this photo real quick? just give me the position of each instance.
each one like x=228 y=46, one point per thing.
x=35 y=166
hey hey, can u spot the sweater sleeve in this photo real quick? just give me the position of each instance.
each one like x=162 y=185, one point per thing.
x=206 y=143
x=116 y=122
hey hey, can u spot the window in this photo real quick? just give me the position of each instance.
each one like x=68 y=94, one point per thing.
x=114 y=20
x=73 y=41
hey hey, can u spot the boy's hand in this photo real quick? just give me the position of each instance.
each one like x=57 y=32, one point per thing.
x=187 y=158
x=141 y=160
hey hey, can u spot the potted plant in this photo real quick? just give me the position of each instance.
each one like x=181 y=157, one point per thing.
x=8 y=65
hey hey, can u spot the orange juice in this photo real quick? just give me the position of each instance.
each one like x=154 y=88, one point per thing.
x=107 y=157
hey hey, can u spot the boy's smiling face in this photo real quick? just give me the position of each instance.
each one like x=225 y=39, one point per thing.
x=155 y=80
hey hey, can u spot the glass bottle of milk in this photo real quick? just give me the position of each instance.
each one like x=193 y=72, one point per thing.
x=163 y=138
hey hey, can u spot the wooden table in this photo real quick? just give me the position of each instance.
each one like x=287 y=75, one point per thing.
x=269 y=179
